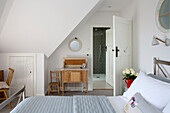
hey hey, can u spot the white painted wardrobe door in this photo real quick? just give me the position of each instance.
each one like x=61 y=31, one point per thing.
x=109 y=57
x=122 y=38
x=23 y=74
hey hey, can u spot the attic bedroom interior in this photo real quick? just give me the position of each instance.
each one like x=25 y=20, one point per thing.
x=84 y=56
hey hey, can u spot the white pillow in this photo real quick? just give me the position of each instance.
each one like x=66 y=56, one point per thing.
x=167 y=108
x=138 y=104
x=154 y=91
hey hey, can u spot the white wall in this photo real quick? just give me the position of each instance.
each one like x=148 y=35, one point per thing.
x=4 y=64
x=83 y=34
x=33 y=25
x=39 y=69
x=144 y=26
x=40 y=75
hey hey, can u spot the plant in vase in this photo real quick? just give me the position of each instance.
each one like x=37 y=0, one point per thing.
x=129 y=75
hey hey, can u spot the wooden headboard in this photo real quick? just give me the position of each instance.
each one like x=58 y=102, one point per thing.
x=158 y=63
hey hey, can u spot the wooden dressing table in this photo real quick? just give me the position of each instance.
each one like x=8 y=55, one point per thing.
x=72 y=71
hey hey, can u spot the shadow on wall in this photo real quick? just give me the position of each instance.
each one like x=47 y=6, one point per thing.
x=5 y=7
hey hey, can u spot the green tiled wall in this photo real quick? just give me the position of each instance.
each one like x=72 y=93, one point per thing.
x=99 y=44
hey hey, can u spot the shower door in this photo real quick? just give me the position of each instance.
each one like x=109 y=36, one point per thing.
x=109 y=56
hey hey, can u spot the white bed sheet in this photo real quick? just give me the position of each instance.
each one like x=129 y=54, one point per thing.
x=118 y=103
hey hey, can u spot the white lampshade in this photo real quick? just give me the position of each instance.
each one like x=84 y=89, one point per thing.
x=167 y=42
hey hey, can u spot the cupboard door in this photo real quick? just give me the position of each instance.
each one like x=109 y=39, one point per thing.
x=66 y=76
x=23 y=75
x=75 y=76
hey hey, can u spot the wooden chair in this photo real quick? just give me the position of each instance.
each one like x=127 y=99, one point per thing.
x=5 y=86
x=56 y=83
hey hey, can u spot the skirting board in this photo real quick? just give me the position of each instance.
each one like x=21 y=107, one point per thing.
x=71 y=89
x=40 y=95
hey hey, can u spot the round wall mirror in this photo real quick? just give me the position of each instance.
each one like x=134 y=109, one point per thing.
x=75 y=45
x=163 y=15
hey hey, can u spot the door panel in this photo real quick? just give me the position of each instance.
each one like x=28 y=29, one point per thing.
x=122 y=38
x=109 y=57
x=23 y=74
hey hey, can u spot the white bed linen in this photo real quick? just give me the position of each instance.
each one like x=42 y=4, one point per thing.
x=154 y=91
x=118 y=103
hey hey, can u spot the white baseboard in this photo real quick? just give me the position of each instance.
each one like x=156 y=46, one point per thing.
x=71 y=89
x=39 y=95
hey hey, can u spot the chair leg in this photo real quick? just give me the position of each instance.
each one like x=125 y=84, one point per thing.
x=58 y=90
x=49 y=88
x=52 y=89
x=6 y=97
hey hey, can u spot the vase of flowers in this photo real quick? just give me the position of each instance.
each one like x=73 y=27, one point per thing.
x=129 y=75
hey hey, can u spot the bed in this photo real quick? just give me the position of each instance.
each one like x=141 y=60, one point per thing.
x=95 y=104
x=75 y=104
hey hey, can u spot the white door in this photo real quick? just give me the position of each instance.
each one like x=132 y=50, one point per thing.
x=122 y=38
x=23 y=74
x=109 y=57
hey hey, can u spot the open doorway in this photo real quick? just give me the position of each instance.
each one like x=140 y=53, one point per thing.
x=100 y=60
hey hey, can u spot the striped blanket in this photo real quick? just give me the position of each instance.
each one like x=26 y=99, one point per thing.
x=64 y=104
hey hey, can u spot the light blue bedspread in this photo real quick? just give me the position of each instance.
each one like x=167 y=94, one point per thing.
x=45 y=104
x=65 y=104
x=92 y=104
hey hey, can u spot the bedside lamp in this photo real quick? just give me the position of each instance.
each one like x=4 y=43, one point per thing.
x=156 y=39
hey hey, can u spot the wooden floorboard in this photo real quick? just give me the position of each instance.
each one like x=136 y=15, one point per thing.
x=94 y=92
x=104 y=89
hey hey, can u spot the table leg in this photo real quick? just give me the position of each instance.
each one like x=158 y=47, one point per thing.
x=86 y=88
x=63 y=87
x=82 y=84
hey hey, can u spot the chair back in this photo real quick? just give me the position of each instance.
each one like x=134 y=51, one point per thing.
x=55 y=75
x=10 y=75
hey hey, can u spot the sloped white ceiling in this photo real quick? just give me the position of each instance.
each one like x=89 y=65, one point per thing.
x=115 y=5
x=41 y=25
x=2 y=6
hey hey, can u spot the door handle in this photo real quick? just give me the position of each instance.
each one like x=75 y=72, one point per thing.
x=117 y=50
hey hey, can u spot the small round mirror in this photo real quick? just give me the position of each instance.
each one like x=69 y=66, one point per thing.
x=163 y=15
x=75 y=45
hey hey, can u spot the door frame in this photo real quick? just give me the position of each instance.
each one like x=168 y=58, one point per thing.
x=35 y=63
x=91 y=39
